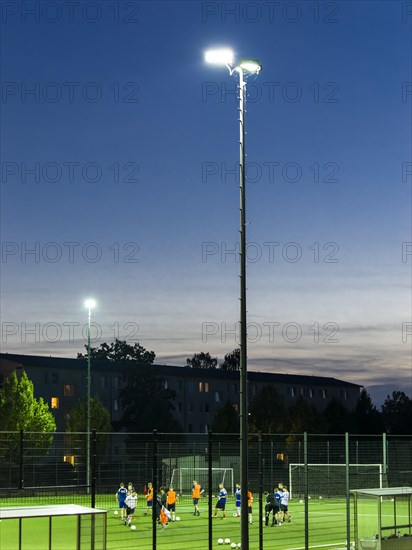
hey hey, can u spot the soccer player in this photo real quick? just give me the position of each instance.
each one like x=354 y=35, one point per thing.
x=171 y=502
x=238 y=499
x=131 y=503
x=277 y=514
x=121 y=495
x=221 y=503
x=269 y=506
x=249 y=505
x=149 y=498
x=284 y=504
x=196 y=492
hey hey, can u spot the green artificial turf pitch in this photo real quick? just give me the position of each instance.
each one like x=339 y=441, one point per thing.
x=327 y=528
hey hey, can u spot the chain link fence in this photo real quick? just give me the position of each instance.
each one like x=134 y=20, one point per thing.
x=319 y=470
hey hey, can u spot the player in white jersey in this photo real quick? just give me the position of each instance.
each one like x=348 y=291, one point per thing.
x=284 y=505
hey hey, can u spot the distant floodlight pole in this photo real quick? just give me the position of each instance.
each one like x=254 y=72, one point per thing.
x=244 y=66
x=90 y=304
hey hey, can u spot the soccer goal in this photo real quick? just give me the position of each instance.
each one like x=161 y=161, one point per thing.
x=329 y=480
x=182 y=479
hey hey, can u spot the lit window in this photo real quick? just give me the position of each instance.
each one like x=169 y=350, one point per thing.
x=54 y=402
x=69 y=458
x=217 y=397
x=236 y=407
x=280 y=456
x=200 y=386
x=310 y=392
x=207 y=387
x=68 y=390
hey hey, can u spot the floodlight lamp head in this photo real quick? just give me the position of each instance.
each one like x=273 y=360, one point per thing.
x=90 y=303
x=221 y=56
x=251 y=66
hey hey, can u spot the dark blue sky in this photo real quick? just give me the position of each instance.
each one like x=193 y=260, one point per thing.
x=119 y=147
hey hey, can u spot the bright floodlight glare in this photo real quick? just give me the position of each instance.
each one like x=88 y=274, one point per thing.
x=223 y=56
x=90 y=303
x=250 y=65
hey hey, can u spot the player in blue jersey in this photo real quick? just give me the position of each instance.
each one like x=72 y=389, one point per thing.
x=221 y=503
x=121 y=495
x=277 y=518
x=238 y=499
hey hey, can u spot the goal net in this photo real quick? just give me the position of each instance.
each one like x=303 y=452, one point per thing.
x=182 y=479
x=329 y=480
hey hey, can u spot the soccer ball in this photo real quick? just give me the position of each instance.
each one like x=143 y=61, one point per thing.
x=301 y=502
x=239 y=544
x=177 y=518
x=227 y=541
x=320 y=497
x=233 y=545
x=235 y=514
x=116 y=512
x=133 y=527
x=220 y=541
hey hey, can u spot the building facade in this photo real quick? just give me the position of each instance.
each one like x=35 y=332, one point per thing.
x=200 y=393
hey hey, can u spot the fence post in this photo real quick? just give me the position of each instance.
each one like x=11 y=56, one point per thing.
x=260 y=493
x=93 y=468
x=155 y=482
x=347 y=485
x=210 y=486
x=21 y=460
x=306 y=470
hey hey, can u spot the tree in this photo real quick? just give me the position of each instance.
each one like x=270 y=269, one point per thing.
x=231 y=361
x=338 y=419
x=145 y=402
x=265 y=412
x=20 y=410
x=226 y=420
x=367 y=417
x=120 y=351
x=99 y=416
x=99 y=421
x=202 y=361
x=397 y=413
x=304 y=417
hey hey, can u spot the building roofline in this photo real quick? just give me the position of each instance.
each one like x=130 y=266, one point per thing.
x=177 y=371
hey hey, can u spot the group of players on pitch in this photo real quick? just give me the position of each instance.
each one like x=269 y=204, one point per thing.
x=277 y=503
x=165 y=506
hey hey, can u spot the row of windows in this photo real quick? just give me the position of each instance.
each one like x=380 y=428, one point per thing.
x=103 y=380
x=311 y=393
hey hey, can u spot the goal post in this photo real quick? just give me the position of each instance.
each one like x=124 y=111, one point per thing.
x=182 y=479
x=329 y=480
